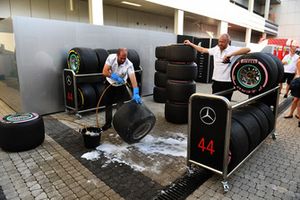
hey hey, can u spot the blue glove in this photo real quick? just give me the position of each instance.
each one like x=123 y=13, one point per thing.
x=136 y=95
x=117 y=78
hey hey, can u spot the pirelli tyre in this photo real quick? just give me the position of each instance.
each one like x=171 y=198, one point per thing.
x=133 y=56
x=180 y=91
x=99 y=89
x=83 y=61
x=254 y=73
x=160 y=79
x=133 y=121
x=180 y=53
x=160 y=52
x=279 y=66
x=102 y=55
x=239 y=144
x=186 y=72
x=249 y=123
x=21 y=131
x=159 y=94
x=86 y=96
x=269 y=115
x=176 y=113
x=260 y=118
x=161 y=65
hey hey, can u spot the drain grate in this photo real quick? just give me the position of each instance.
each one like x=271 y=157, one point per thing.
x=2 y=196
x=284 y=105
x=184 y=186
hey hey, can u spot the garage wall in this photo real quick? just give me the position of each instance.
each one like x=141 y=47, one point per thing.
x=40 y=66
x=48 y=9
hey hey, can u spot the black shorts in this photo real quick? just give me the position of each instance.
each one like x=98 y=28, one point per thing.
x=295 y=87
x=288 y=77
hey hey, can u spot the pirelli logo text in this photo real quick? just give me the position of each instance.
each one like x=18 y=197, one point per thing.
x=249 y=61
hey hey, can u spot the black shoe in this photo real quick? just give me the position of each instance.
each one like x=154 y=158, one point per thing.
x=285 y=96
x=299 y=124
x=106 y=126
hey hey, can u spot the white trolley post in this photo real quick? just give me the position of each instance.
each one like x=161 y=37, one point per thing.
x=209 y=129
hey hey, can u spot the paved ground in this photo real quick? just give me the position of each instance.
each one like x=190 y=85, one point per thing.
x=57 y=170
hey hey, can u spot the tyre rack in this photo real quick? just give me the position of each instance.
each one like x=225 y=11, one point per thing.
x=70 y=80
x=209 y=138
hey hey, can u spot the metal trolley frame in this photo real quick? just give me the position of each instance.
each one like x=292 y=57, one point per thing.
x=70 y=80
x=202 y=154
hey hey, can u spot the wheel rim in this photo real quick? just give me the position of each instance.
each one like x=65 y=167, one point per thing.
x=249 y=76
x=141 y=131
x=74 y=61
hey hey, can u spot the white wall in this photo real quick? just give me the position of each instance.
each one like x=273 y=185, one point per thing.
x=48 y=9
x=287 y=16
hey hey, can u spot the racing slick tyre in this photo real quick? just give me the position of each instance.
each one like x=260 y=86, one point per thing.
x=176 y=113
x=239 y=144
x=254 y=73
x=180 y=91
x=180 y=53
x=21 y=132
x=83 y=61
x=161 y=65
x=250 y=125
x=186 y=72
x=159 y=94
x=86 y=96
x=160 y=52
x=133 y=121
x=102 y=55
x=160 y=79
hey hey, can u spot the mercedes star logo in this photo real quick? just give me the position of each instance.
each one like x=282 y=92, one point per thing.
x=69 y=80
x=207 y=115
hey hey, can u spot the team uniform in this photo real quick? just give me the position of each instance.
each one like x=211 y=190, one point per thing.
x=221 y=73
x=289 y=68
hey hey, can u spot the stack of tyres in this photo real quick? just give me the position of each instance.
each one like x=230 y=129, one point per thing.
x=181 y=73
x=160 y=76
x=251 y=124
x=87 y=61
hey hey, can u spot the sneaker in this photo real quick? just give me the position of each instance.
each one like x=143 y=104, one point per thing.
x=106 y=126
x=285 y=96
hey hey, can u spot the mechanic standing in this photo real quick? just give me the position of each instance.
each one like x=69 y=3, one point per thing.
x=222 y=54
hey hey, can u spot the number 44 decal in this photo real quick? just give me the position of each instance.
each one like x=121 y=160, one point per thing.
x=209 y=147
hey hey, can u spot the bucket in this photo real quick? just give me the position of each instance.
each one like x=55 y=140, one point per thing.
x=91 y=137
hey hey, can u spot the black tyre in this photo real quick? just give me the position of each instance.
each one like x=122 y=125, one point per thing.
x=249 y=123
x=133 y=121
x=111 y=51
x=180 y=91
x=160 y=52
x=102 y=55
x=268 y=114
x=83 y=61
x=86 y=96
x=260 y=118
x=176 y=113
x=161 y=65
x=133 y=56
x=160 y=79
x=180 y=53
x=239 y=144
x=21 y=132
x=279 y=66
x=254 y=73
x=159 y=94
x=99 y=89
x=185 y=72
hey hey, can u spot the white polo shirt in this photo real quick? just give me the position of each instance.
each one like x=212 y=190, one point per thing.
x=221 y=70
x=122 y=70
x=290 y=67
